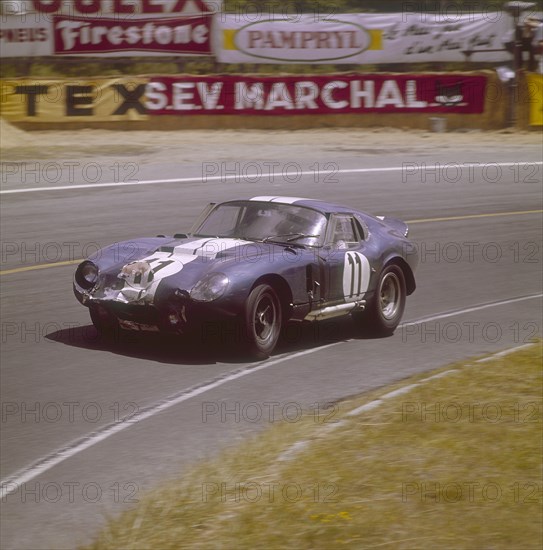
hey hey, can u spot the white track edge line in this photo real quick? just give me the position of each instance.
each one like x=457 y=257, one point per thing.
x=11 y=483
x=71 y=449
x=375 y=403
x=224 y=178
x=405 y=389
x=505 y=352
x=467 y=310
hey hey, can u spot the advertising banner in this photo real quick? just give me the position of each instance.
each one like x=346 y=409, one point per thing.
x=135 y=98
x=108 y=28
x=23 y=37
x=361 y=38
x=171 y=36
x=110 y=8
x=534 y=83
x=304 y=94
x=73 y=100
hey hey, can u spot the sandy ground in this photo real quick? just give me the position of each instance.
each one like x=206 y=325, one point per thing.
x=197 y=145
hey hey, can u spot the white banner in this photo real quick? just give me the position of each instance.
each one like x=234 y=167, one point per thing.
x=361 y=38
x=21 y=36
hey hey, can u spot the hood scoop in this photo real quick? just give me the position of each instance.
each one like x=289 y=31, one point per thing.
x=208 y=248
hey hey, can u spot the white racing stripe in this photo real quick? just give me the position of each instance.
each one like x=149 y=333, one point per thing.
x=236 y=177
x=142 y=277
x=14 y=481
x=209 y=247
x=282 y=200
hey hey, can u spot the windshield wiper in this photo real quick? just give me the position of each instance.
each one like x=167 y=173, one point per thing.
x=293 y=237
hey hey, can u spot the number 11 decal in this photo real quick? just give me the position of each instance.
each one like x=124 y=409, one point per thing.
x=356 y=276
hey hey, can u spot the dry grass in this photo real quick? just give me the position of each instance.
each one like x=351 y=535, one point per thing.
x=454 y=463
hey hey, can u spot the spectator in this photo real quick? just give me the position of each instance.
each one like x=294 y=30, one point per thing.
x=528 y=45
x=537 y=42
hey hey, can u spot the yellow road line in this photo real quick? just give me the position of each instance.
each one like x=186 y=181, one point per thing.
x=39 y=266
x=474 y=216
x=426 y=220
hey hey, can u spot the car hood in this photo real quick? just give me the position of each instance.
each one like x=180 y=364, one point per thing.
x=132 y=272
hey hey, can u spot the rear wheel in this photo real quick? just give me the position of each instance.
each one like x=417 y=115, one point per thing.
x=262 y=318
x=384 y=313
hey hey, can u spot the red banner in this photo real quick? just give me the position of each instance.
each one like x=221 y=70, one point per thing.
x=121 y=7
x=89 y=36
x=303 y=94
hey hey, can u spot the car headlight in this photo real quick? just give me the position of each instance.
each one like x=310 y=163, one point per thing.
x=86 y=275
x=210 y=288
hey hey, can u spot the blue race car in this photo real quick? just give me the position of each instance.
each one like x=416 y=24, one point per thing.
x=259 y=263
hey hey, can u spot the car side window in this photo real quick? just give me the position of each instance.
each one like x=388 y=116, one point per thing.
x=222 y=221
x=362 y=228
x=344 y=232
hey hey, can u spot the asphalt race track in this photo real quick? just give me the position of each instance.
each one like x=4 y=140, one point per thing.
x=479 y=291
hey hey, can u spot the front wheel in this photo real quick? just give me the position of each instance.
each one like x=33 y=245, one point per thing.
x=105 y=323
x=385 y=310
x=262 y=318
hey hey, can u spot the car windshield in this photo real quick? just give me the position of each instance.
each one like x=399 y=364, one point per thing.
x=260 y=221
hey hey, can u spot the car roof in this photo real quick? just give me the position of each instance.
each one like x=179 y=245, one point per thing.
x=322 y=206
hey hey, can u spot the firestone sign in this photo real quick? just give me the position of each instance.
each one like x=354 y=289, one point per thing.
x=188 y=35
x=108 y=28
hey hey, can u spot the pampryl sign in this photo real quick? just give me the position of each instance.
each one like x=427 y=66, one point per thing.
x=280 y=41
x=359 y=38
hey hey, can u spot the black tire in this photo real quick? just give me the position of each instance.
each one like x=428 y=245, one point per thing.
x=384 y=313
x=105 y=324
x=262 y=321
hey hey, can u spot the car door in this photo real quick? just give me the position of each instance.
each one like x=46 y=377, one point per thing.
x=348 y=269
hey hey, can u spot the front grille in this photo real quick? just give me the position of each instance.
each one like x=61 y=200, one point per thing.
x=137 y=314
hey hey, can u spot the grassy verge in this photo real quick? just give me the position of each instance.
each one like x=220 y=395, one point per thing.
x=455 y=462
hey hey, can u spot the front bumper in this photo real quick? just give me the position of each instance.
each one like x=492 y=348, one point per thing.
x=179 y=315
